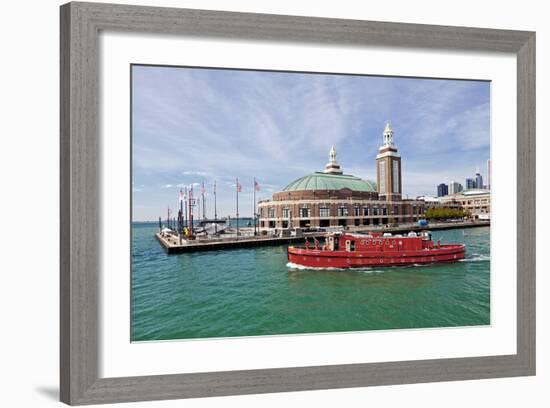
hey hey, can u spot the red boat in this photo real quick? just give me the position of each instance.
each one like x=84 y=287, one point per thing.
x=346 y=250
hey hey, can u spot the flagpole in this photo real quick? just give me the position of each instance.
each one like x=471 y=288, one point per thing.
x=203 y=203
x=215 y=211
x=180 y=222
x=181 y=211
x=199 y=206
x=185 y=204
x=190 y=227
x=237 y=189
x=254 y=205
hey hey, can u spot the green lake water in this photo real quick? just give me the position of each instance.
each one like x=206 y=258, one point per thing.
x=251 y=292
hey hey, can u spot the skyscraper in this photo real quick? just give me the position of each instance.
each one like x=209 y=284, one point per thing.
x=479 y=179
x=470 y=183
x=442 y=190
x=455 y=187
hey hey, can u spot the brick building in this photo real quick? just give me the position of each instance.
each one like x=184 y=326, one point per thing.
x=330 y=198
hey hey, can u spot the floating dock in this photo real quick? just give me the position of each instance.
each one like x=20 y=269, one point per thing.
x=171 y=243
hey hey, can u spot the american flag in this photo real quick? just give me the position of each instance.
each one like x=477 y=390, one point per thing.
x=238 y=186
x=202 y=188
x=256 y=186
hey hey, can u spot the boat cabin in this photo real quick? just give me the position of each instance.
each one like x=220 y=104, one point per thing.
x=377 y=242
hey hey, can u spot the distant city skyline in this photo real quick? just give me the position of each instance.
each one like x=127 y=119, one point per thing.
x=475 y=182
x=193 y=126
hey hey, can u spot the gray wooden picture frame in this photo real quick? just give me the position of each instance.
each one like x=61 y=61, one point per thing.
x=80 y=191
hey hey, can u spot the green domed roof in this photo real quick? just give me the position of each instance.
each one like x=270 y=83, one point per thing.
x=326 y=181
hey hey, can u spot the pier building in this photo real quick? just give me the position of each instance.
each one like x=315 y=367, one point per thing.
x=332 y=198
x=476 y=201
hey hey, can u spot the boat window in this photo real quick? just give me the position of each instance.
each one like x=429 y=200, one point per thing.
x=336 y=243
x=352 y=246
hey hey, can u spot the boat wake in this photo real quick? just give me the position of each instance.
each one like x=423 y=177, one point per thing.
x=477 y=258
x=294 y=266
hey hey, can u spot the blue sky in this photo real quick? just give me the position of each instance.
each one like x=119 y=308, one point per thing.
x=194 y=125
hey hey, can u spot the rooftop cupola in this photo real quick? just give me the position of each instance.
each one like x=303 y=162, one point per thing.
x=388 y=135
x=332 y=167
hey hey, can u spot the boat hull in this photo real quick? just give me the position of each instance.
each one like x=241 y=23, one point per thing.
x=343 y=259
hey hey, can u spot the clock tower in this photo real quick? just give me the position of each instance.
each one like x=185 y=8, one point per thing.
x=388 y=168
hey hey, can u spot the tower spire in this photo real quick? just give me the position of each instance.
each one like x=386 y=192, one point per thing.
x=332 y=155
x=388 y=134
x=388 y=167
x=332 y=166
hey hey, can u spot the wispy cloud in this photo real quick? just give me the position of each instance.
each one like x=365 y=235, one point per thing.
x=137 y=189
x=205 y=126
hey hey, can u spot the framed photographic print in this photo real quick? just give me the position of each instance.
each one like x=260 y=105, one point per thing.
x=218 y=158
x=258 y=203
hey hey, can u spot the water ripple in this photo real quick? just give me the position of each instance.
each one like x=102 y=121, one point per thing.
x=255 y=291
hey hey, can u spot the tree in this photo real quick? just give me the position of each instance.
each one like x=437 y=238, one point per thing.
x=444 y=213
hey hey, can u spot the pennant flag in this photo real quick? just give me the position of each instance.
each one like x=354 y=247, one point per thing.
x=238 y=186
x=256 y=186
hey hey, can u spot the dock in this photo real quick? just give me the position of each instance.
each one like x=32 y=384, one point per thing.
x=172 y=246
x=171 y=243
